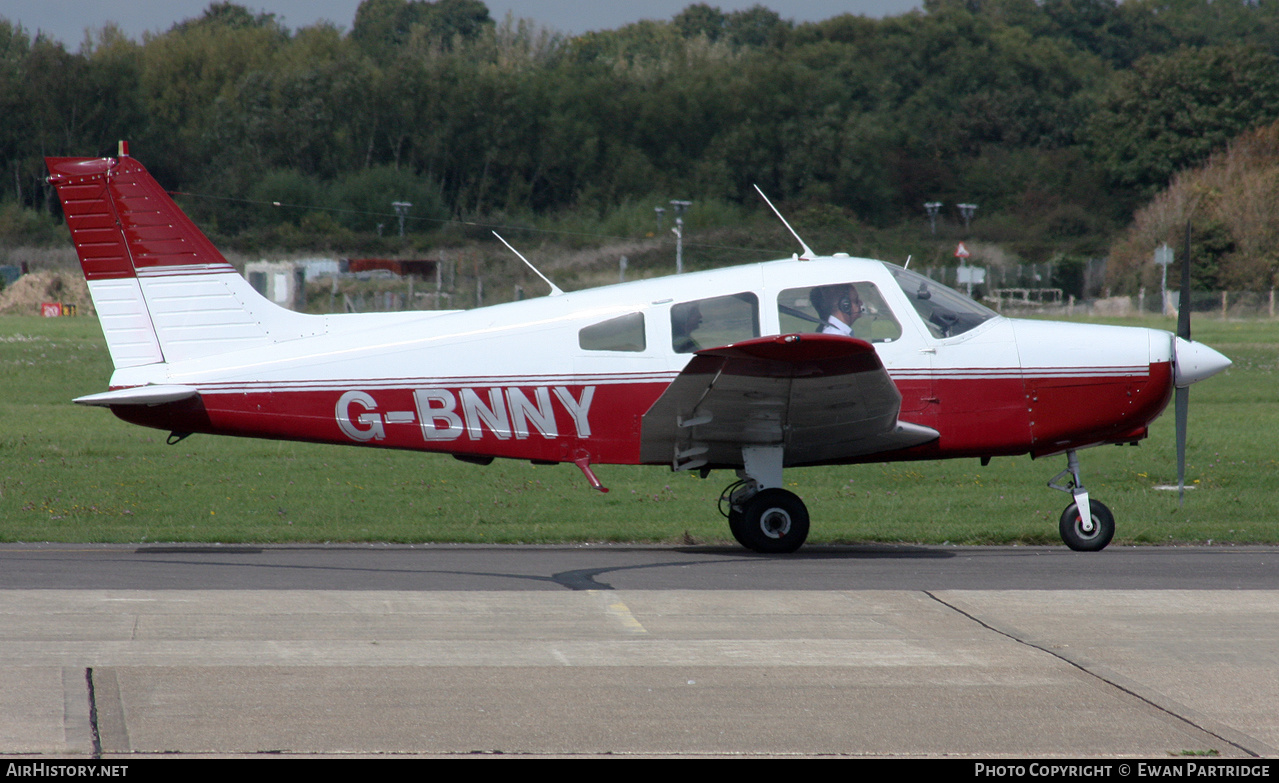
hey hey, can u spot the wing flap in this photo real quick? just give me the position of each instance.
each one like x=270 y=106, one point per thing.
x=822 y=397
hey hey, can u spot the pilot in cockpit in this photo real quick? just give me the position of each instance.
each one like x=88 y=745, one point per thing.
x=685 y=319
x=837 y=306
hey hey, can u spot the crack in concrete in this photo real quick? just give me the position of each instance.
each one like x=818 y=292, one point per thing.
x=1110 y=681
x=93 y=714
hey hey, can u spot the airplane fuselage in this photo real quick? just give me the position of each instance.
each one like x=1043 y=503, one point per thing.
x=515 y=380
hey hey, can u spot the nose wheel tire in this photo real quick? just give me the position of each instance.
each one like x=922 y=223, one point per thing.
x=1082 y=540
x=774 y=521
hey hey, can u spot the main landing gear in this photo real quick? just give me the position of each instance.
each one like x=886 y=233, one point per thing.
x=762 y=516
x=1086 y=525
x=772 y=521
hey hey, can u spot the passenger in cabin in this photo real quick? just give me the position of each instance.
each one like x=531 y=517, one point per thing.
x=837 y=306
x=685 y=318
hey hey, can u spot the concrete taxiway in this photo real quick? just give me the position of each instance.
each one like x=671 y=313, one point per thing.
x=114 y=672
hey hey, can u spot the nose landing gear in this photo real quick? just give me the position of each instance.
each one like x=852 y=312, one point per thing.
x=1086 y=525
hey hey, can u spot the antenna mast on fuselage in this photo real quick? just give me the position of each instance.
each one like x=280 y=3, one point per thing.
x=808 y=253
x=555 y=290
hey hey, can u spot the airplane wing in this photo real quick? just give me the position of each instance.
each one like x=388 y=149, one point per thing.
x=822 y=397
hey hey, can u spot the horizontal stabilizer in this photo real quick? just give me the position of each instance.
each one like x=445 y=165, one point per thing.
x=140 y=395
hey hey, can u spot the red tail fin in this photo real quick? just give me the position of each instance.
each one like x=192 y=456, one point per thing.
x=124 y=224
x=163 y=292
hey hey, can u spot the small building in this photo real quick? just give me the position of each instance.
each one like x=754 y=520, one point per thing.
x=282 y=282
x=415 y=267
x=320 y=267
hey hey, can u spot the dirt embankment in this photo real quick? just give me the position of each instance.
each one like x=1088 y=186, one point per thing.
x=26 y=295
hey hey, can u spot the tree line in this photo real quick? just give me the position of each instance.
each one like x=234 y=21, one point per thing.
x=1058 y=117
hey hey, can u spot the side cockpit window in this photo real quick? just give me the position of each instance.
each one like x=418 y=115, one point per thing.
x=624 y=333
x=945 y=312
x=710 y=323
x=851 y=309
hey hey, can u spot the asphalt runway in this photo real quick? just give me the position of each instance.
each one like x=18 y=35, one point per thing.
x=120 y=652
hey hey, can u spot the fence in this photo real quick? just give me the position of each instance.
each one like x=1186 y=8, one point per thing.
x=1041 y=289
x=1204 y=304
x=1084 y=278
x=1225 y=304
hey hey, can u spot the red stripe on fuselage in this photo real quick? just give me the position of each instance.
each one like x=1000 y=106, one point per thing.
x=564 y=421
x=1070 y=412
x=555 y=422
x=1038 y=415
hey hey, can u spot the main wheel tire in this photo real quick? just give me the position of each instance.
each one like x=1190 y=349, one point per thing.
x=773 y=522
x=737 y=526
x=1072 y=527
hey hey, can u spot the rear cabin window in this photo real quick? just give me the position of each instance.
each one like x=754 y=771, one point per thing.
x=811 y=310
x=711 y=323
x=624 y=333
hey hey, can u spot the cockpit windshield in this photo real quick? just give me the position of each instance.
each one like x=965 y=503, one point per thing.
x=945 y=312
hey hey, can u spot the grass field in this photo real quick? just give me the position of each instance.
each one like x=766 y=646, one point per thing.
x=75 y=474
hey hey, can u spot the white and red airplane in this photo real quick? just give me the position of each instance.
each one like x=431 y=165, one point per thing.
x=718 y=369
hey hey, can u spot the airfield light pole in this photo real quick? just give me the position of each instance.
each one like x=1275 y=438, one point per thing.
x=661 y=213
x=679 y=207
x=401 y=212
x=967 y=211
x=933 y=208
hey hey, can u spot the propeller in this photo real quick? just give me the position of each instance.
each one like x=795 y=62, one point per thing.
x=1192 y=362
x=1181 y=396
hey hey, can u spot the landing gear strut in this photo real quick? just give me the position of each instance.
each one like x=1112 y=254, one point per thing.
x=1086 y=525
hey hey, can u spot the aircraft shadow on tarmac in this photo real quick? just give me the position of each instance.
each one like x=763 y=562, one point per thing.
x=588 y=578
x=830 y=552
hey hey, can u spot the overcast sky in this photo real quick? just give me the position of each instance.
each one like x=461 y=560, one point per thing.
x=66 y=20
